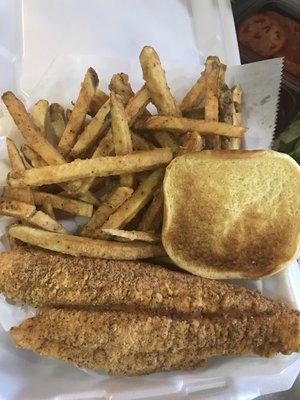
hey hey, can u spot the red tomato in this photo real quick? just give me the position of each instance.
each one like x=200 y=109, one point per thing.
x=271 y=34
x=291 y=49
x=262 y=34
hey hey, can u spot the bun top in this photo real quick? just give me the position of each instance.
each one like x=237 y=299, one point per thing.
x=232 y=214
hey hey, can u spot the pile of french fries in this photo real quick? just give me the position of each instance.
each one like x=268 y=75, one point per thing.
x=110 y=156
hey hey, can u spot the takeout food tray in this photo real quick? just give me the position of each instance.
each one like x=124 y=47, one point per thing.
x=25 y=375
x=219 y=375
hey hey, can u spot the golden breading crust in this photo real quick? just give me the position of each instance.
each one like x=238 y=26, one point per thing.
x=130 y=344
x=45 y=279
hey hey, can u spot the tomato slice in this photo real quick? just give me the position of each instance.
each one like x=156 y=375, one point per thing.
x=262 y=34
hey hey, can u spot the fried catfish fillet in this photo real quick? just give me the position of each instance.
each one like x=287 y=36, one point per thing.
x=122 y=343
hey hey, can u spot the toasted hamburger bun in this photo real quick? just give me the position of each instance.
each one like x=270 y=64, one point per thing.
x=232 y=214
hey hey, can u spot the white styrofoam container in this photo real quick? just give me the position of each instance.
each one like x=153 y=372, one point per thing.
x=44 y=47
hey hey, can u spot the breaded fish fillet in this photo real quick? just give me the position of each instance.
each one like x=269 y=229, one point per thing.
x=130 y=344
x=45 y=279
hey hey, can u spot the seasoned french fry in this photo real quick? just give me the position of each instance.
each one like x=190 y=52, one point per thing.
x=77 y=118
x=184 y=125
x=194 y=113
x=121 y=135
x=57 y=118
x=195 y=96
x=120 y=85
x=237 y=101
x=68 y=114
x=136 y=202
x=117 y=142
x=156 y=82
x=224 y=98
x=152 y=217
x=112 y=201
x=97 y=102
x=28 y=213
x=15 y=159
x=120 y=128
x=92 y=131
x=136 y=106
x=221 y=78
x=134 y=109
x=82 y=246
x=40 y=116
x=88 y=197
x=140 y=143
x=17 y=165
x=231 y=143
x=29 y=131
x=48 y=209
x=157 y=85
x=105 y=148
x=226 y=111
x=36 y=161
x=230 y=101
x=18 y=209
x=193 y=142
x=66 y=204
x=32 y=157
x=131 y=236
x=212 y=73
x=18 y=194
x=102 y=166
x=33 y=136
x=164 y=139
x=141 y=118
x=44 y=221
